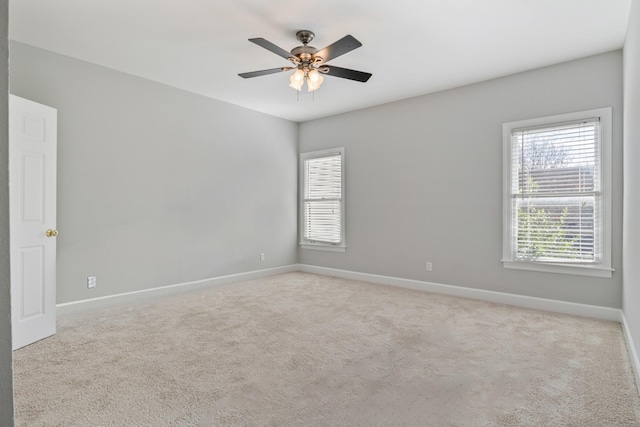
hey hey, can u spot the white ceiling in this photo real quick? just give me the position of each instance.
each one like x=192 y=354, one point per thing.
x=412 y=47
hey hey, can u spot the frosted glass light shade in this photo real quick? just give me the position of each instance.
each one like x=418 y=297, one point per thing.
x=314 y=80
x=297 y=80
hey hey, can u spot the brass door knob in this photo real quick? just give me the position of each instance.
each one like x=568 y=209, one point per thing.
x=51 y=233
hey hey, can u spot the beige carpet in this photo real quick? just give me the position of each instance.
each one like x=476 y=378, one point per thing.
x=306 y=350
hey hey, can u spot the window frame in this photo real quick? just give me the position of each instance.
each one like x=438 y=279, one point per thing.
x=310 y=244
x=603 y=267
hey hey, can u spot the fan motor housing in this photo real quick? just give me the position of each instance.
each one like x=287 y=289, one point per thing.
x=304 y=52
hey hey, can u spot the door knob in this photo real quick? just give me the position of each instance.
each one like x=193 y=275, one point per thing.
x=51 y=233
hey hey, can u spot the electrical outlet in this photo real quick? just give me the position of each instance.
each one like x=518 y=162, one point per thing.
x=91 y=282
x=429 y=266
x=262 y=257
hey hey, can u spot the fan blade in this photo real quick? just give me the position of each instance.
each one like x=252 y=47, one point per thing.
x=345 y=73
x=271 y=47
x=264 y=72
x=342 y=46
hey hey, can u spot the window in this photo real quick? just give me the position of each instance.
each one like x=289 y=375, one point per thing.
x=557 y=194
x=322 y=200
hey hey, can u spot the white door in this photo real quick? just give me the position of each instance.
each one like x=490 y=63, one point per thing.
x=32 y=212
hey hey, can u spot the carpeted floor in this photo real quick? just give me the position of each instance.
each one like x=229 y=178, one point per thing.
x=306 y=350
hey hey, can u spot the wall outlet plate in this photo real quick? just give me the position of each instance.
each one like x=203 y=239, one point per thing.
x=91 y=282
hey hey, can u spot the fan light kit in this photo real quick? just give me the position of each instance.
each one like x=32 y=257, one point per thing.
x=309 y=63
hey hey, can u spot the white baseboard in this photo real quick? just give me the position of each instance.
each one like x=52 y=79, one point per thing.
x=633 y=354
x=564 y=307
x=146 y=294
x=555 y=306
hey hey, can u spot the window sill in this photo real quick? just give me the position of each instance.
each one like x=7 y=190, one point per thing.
x=578 y=270
x=319 y=247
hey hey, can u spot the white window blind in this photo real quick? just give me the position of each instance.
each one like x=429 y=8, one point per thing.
x=322 y=198
x=556 y=193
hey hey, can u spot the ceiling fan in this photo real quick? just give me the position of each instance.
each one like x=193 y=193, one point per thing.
x=310 y=63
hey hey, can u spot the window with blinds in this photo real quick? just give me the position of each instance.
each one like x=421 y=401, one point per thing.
x=556 y=202
x=556 y=192
x=322 y=186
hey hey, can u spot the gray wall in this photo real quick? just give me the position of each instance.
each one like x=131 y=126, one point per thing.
x=158 y=186
x=424 y=180
x=6 y=357
x=631 y=243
